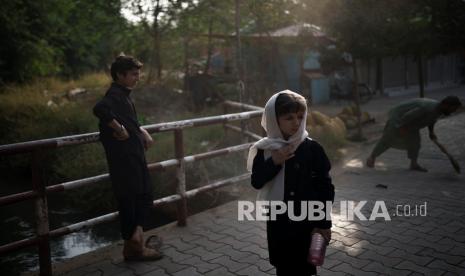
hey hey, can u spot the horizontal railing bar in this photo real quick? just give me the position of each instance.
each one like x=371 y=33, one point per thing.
x=112 y=216
x=14 y=198
x=94 y=137
x=16 y=245
x=203 y=121
x=217 y=184
x=242 y=105
x=10 y=199
x=246 y=132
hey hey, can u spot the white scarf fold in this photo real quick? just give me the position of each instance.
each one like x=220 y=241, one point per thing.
x=274 y=189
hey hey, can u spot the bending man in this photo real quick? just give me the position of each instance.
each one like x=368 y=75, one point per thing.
x=402 y=130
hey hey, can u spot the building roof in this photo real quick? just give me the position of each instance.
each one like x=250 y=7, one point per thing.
x=295 y=30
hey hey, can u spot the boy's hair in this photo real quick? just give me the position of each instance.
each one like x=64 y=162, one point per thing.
x=451 y=101
x=122 y=64
x=289 y=103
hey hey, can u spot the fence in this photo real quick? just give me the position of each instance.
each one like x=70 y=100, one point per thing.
x=39 y=191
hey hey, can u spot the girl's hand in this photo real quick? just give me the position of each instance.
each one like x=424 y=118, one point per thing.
x=326 y=233
x=281 y=155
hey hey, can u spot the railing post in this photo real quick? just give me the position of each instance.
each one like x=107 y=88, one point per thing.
x=181 y=178
x=42 y=223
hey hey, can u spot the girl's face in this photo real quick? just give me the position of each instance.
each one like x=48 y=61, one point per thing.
x=289 y=123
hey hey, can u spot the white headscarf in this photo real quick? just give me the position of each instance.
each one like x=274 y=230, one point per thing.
x=274 y=190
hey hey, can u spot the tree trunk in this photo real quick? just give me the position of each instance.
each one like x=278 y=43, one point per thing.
x=356 y=96
x=156 y=40
x=186 y=64
x=379 y=76
x=421 y=83
x=406 y=75
x=239 y=66
x=210 y=46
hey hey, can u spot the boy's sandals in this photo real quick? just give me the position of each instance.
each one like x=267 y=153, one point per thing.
x=150 y=252
x=147 y=254
x=154 y=242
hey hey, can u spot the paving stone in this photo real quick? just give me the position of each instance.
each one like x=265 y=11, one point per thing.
x=412 y=247
x=83 y=271
x=235 y=243
x=329 y=262
x=449 y=258
x=207 y=244
x=222 y=271
x=251 y=270
x=408 y=265
x=140 y=268
x=326 y=272
x=181 y=245
x=176 y=255
x=384 y=270
x=234 y=233
x=158 y=272
x=262 y=264
x=168 y=265
x=383 y=249
x=234 y=254
x=339 y=246
x=347 y=268
x=231 y=265
x=441 y=265
x=203 y=253
x=353 y=261
x=417 y=234
x=417 y=259
x=213 y=236
x=191 y=271
x=385 y=260
x=440 y=247
x=199 y=264
x=345 y=240
x=256 y=239
x=256 y=250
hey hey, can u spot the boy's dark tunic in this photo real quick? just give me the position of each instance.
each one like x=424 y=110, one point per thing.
x=306 y=179
x=126 y=159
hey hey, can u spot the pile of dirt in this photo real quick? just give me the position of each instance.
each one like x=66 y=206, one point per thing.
x=349 y=116
x=321 y=125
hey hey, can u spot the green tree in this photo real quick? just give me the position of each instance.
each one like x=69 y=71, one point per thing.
x=57 y=37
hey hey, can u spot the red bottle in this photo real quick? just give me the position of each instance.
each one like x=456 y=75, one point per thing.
x=316 y=253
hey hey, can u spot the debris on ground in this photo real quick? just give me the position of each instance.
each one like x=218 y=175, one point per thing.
x=349 y=116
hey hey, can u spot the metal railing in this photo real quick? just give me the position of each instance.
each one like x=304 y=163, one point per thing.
x=40 y=192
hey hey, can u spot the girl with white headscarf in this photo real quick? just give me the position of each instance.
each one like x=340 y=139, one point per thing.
x=289 y=166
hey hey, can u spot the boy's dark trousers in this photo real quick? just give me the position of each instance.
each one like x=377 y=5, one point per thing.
x=132 y=188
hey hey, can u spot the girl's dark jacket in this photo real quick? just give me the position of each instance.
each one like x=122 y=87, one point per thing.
x=306 y=179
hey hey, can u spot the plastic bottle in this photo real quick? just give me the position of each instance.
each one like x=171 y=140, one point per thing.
x=316 y=253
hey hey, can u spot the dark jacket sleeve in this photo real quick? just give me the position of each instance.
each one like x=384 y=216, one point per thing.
x=263 y=170
x=103 y=110
x=322 y=179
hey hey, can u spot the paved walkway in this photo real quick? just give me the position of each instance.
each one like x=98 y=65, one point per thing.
x=216 y=243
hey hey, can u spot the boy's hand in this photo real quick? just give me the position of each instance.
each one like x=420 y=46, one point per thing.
x=121 y=134
x=281 y=155
x=148 y=141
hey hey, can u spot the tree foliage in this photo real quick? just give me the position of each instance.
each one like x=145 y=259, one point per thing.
x=49 y=37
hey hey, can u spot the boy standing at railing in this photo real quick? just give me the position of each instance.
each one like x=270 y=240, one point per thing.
x=125 y=142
